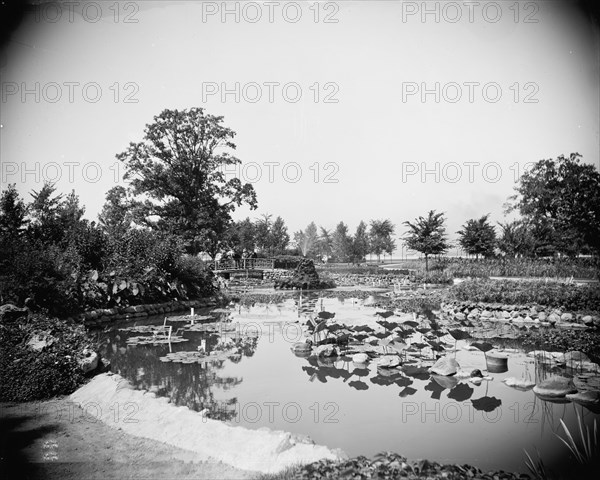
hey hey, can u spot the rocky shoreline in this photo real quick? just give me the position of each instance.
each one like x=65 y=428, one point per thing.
x=104 y=316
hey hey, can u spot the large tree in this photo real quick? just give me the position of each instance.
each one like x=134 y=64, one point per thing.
x=380 y=236
x=360 y=242
x=341 y=242
x=478 y=237
x=427 y=235
x=242 y=235
x=562 y=197
x=262 y=231
x=324 y=246
x=307 y=240
x=13 y=213
x=280 y=238
x=115 y=217
x=178 y=177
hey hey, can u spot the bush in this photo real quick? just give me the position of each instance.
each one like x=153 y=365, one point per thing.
x=586 y=268
x=288 y=262
x=434 y=276
x=26 y=374
x=553 y=294
x=192 y=272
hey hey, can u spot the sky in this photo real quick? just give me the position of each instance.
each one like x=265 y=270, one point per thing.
x=344 y=111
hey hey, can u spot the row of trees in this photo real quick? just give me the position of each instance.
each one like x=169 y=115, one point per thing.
x=559 y=203
x=177 y=185
x=339 y=245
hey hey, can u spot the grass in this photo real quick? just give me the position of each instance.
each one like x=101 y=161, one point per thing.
x=585 y=450
x=289 y=473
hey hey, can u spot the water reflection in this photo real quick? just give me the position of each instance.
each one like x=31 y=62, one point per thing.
x=403 y=409
x=190 y=384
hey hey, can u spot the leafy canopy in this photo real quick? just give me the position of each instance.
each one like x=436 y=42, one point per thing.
x=478 y=237
x=562 y=198
x=178 y=177
x=427 y=235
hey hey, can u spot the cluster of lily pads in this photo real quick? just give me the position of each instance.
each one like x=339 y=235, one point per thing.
x=198 y=356
x=386 y=343
x=155 y=340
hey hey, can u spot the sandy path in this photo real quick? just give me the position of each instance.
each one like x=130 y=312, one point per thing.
x=55 y=440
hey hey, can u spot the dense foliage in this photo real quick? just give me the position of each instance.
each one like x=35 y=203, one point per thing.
x=61 y=263
x=428 y=235
x=560 y=200
x=26 y=374
x=386 y=465
x=565 y=267
x=570 y=297
x=478 y=237
x=178 y=180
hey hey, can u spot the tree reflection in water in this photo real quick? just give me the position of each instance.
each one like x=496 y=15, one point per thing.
x=192 y=385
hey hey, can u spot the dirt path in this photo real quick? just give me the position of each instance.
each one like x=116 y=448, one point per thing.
x=55 y=440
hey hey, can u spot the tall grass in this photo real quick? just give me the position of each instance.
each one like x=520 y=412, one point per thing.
x=585 y=450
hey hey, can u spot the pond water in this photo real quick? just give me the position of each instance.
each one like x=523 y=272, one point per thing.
x=359 y=408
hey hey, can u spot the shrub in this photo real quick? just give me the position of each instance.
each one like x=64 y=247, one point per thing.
x=553 y=294
x=26 y=374
x=288 y=262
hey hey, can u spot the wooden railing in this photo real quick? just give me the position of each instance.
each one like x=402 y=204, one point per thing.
x=244 y=264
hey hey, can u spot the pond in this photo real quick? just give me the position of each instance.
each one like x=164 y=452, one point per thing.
x=252 y=378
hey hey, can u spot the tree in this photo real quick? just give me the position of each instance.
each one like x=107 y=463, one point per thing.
x=115 y=217
x=341 y=242
x=13 y=213
x=514 y=239
x=380 y=236
x=177 y=177
x=561 y=198
x=427 y=235
x=478 y=237
x=45 y=212
x=324 y=248
x=242 y=235
x=280 y=238
x=262 y=229
x=307 y=240
x=360 y=242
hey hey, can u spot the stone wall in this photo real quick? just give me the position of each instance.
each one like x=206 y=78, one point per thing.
x=105 y=316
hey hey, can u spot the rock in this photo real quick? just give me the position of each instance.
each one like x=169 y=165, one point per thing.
x=519 y=383
x=553 y=318
x=566 y=317
x=588 y=397
x=476 y=373
x=575 y=356
x=302 y=347
x=588 y=320
x=326 y=351
x=10 y=313
x=542 y=316
x=360 y=358
x=555 y=386
x=39 y=341
x=89 y=362
x=305 y=277
x=445 y=366
x=476 y=380
x=388 y=361
x=486 y=314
